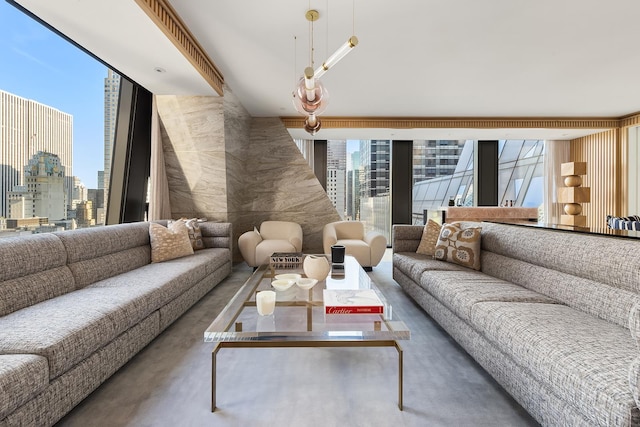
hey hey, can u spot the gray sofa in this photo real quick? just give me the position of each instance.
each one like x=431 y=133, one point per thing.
x=77 y=305
x=553 y=316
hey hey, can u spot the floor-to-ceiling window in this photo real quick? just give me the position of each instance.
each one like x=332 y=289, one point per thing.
x=57 y=114
x=520 y=179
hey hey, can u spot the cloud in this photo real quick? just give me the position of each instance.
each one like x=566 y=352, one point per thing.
x=36 y=60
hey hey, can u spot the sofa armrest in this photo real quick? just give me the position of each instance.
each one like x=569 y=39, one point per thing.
x=247 y=243
x=329 y=238
x=377 y=245
x=406 y=238
x=296 y=242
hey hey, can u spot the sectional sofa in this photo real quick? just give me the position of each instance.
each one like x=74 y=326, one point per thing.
x=553 y=316
x=77 y=305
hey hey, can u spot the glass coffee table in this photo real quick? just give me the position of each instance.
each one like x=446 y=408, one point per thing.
x=299 y=319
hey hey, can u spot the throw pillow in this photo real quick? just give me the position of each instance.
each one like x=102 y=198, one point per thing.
x=195 y=235
x=458 y=245
x=430 y=235
x=169 y=242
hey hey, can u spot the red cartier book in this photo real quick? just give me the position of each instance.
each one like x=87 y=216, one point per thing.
x=352 y=301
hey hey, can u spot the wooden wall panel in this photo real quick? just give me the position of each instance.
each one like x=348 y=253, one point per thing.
x=605 y=154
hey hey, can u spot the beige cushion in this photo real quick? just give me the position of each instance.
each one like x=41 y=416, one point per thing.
x=430 y=235
x=195 y=235
x=169 y=242
x=458 y=245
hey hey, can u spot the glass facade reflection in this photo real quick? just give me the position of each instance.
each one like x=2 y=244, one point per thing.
x=520 y=179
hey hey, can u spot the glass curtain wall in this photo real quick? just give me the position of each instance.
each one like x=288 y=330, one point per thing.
x=520 y=179
x=57 y=115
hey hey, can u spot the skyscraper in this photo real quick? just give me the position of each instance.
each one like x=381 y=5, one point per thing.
x=43 y=193
x=26 y=127
x=375 y=156
x=435 y=158
x=353 y=187
x=337 y=174
x=111 y=95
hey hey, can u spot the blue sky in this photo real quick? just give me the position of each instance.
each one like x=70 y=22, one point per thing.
x=37 y=64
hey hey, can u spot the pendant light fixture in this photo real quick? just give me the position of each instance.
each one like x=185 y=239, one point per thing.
x=310 y=97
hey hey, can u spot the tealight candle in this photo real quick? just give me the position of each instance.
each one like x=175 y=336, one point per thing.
x=265 y=302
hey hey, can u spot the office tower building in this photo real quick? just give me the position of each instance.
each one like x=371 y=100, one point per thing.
x=96 y=196
x=27 y=127
x=353 y=187
x=111 y=96
x=375 y=158
x=43 y=193
x=84 y=214
x=435 y=158
x=336 y=174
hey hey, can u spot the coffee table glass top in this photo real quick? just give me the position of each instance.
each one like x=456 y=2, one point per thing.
x=300 y=314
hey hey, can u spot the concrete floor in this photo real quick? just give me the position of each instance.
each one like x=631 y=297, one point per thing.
x=168 y=383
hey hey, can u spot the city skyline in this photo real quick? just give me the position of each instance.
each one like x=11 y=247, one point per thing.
x=39 y=65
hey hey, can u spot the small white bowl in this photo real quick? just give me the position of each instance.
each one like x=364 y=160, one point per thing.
x=282 y=285
x=288 y=276
x=306 y=283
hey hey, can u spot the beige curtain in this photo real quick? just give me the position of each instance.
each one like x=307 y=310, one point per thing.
x=159 y=207
x=556 y=153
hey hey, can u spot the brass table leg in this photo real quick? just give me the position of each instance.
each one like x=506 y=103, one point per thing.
x=214 y=353
x=280 y=344
x=400 y=375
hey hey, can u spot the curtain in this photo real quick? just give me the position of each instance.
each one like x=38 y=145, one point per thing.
x=556 y=153
x=159 y=207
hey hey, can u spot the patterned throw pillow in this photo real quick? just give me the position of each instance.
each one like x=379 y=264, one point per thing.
x=169 y=242
x=430 y=235
x=195 y=235
x=458 y=245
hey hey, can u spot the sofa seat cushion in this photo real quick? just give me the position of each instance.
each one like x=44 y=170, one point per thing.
x=267 y=247
x=583 y=359
x=212 y=258
x=22 y=376
x=163 y=282
x=461 y=290
x=69 y=328
x=414 y=264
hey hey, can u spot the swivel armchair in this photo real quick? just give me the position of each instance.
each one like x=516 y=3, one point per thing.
x=367 y=248
x=274 y=236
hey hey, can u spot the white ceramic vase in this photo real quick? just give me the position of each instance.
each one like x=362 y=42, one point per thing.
x=316 y=267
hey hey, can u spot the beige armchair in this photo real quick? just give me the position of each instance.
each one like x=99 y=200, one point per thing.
x=367 y=248
x=274 y=236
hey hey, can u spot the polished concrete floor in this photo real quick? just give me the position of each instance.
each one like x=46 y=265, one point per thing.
x=168 y=383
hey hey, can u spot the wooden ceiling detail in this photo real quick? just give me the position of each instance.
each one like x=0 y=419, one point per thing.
x=631 y=120
x=463 y=122
x=163 y=15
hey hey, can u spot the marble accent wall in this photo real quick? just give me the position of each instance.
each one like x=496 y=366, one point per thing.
x=281 y=185
x=224 y=165
x=195 y=155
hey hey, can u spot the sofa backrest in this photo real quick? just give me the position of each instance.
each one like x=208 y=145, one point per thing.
x=99 y=253
x=593 y=273
x=217 y=234
x=348 y=229
x=280 y=230
x=32 y=269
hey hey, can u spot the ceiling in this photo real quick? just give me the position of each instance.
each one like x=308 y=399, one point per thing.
x=416 y=58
